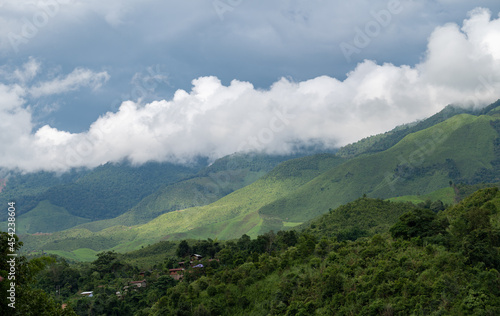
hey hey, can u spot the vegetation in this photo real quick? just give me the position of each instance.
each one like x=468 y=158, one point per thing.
x=27 y=300
x=421 y=163
x=361 y=218
x=105 y=192
x=46 y=218
x=385 y=141
x=433 y=163
x=425 y=262
x=228 y=217
x=121 y=194
x=249 y=236
x=221 y=178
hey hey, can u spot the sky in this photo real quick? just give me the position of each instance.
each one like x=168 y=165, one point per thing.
x=83 y=83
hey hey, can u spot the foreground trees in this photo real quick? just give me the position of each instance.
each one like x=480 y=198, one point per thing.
x=354 y=260
x=28 y=300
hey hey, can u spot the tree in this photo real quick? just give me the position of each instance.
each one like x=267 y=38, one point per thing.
x=106 y=262
x=28 y=301
x=164 y=282
x=437 y=206
x=183 y=249
x=244 y=242
x=419 y=222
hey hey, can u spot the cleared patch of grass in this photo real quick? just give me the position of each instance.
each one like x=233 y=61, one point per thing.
x=81 y=254
x=291 y=224
x=446 y=195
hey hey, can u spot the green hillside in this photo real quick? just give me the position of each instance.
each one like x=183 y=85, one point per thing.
x=122 y=194
x=445 y=195
x=224 y=176
x=111 y=190
x=458 y=149
x=409 y=261
x=104 y=192
x=25 y=188
x=464 y=149
x=381 y=142
x=45 y=218
x=228 y=217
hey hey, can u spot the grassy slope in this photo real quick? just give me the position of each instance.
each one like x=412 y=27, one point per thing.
x=45 y=218
x=381 y=142
x=178 y=196
x=224 y=176
x=466 y=139
x=446 y=195
x=229 y=217
x=236 y=214
x=82 y=254
x=302 y=189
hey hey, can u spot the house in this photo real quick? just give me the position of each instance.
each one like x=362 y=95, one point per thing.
x=88 y=293
x=196 y=257
x=177 y=274
x=137 y=284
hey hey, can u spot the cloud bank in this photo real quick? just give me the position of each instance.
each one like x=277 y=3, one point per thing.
x=461 y=66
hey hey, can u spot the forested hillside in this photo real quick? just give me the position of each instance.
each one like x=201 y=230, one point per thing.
x=122 y=194
x=364 y=258
x=211 y=183
x=461 y=149
x=231 y=216
x=435 y=157
x=104 y=192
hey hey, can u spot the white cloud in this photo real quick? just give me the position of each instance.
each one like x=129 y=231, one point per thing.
x=76 y=79
x=28 y=72
x=462 y=65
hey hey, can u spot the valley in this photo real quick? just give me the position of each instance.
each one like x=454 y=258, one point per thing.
x=254 y=194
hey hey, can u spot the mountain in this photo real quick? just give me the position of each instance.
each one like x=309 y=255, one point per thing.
x=211 y=183
x=228 y=217
x=367 y=257
x=460 y=149
x=122 y=194
x=104 y=192
x=46 y=218
x=386 y=140
x=430 y=158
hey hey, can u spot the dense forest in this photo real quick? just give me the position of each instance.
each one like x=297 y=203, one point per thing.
x=368 y=257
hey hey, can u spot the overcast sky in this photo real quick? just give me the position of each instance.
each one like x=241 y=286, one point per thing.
x=87 y=82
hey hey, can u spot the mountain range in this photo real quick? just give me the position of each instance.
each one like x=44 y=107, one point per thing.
x=123 y=207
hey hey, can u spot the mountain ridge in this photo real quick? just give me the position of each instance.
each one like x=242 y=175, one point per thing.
x=463 y=148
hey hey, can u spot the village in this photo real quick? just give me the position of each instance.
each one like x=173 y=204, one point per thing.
x=195 y=266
